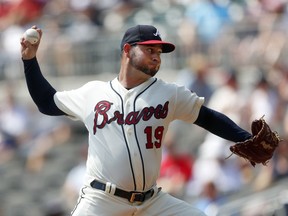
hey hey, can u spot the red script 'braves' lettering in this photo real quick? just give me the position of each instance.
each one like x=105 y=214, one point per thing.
x=132 y=118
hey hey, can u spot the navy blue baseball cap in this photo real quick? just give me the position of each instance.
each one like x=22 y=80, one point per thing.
x=145 y=35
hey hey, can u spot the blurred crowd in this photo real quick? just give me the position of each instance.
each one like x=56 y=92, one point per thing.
x=231 y=52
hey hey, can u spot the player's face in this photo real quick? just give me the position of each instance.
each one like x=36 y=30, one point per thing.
x=146 y=58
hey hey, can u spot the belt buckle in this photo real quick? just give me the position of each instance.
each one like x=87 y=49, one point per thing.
x=134 y=195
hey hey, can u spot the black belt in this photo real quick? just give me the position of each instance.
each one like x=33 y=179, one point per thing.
x=132 y=196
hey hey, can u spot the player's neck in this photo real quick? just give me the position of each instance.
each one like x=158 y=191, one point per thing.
x=131 y=82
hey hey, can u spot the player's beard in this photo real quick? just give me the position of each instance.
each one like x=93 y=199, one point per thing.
x=138 y=65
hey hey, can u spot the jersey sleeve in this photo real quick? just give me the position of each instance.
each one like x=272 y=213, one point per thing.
x=73 y=102
x=187 y=105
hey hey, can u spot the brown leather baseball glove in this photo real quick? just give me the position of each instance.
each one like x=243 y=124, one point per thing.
x=261 y=146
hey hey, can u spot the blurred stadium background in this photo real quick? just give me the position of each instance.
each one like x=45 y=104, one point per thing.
x=233 y=52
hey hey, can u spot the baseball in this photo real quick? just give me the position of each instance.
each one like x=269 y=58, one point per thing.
x=31 y=35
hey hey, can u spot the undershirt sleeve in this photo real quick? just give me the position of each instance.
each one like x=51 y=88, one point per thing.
x=40 y=89
x=221 y=125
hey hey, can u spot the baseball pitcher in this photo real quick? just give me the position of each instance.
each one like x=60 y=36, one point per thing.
x=127 y=119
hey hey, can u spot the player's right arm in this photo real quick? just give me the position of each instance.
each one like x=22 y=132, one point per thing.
x=39 y=88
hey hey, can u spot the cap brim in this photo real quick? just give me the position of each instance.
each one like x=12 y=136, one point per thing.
x=166 y=47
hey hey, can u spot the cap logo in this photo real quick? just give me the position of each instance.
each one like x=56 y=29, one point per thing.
x=157 y=33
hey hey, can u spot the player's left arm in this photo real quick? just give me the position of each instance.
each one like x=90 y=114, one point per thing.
x=221 y=125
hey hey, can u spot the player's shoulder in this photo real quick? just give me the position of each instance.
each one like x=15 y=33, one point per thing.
x=172 y=88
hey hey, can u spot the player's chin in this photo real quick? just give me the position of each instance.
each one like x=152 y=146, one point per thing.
x=153 y=71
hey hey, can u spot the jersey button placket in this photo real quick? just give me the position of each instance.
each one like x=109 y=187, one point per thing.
x=129 y=130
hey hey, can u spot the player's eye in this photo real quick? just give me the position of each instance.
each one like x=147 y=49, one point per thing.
x=154 y=51
x=149 y=50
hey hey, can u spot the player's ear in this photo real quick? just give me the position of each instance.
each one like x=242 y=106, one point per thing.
x=126 y=48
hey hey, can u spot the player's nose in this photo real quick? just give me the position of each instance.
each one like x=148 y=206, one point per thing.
x=156 y=58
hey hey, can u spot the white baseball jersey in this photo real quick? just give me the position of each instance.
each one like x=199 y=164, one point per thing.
x=127 y=127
